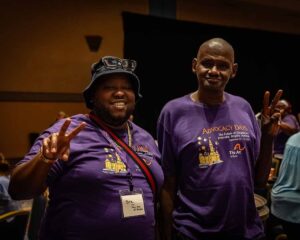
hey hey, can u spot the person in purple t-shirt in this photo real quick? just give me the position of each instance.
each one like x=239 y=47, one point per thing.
x=288 y=126
x=213 y=154
x=96 y=190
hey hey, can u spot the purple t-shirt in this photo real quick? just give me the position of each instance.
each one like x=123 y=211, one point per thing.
x=212 y=151
x=281 y=138
x=84 y=191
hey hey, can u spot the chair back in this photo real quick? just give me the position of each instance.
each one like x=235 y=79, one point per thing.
x=13 y=224
x=39 y=205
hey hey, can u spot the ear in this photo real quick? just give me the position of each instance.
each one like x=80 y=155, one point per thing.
x=194 y=65
x=234 y=70
x=92 y=99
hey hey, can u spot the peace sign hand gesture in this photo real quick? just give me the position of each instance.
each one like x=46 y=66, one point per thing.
x=270 y=118
x=57 y=145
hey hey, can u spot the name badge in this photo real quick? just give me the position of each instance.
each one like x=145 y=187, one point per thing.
x=132 y=203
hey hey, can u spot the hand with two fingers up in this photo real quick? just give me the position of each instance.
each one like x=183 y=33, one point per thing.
x=57 y=145
x=270 y=117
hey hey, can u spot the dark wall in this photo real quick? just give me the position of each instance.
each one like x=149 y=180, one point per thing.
x=164 y=49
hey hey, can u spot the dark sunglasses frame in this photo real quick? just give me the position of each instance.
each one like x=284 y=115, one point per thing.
x=110 y=62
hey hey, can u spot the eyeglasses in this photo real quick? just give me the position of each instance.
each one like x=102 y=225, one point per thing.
x=110 y=62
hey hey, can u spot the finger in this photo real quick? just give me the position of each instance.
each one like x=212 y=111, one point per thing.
x=266 y=102
x=53 y=143
x=61 y=149
x=276 y=99
x=76 y=130
x=65 y=155
x=46 y=146
x=64 y=127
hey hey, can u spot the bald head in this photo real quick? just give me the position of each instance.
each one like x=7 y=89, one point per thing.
x=218 y=46
x=284 y=105
x=214 y=66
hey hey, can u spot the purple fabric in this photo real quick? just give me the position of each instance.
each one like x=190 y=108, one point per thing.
x=84 y=192
x=212 y=151
x=281 y=138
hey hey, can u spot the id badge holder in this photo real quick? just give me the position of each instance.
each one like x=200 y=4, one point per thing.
x=132 y=203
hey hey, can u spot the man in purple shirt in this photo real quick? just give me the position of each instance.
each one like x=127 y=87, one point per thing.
x=96 y=190
x=213 y=154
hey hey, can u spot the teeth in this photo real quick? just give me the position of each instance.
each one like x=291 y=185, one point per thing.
x=119 y=104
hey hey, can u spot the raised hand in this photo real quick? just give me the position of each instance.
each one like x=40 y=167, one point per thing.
x=57 y=145
x=270 y=117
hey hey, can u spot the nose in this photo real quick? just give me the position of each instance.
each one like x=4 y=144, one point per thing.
x=119 y=93
x=213 y=70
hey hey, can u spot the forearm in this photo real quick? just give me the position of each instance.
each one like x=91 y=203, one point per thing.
x=264 y=161
x=269 y=126
x=167 y=206
x=29 y=179
x=287 y=129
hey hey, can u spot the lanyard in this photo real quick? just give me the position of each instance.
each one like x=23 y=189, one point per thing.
x=122 y=154
x=143 y=166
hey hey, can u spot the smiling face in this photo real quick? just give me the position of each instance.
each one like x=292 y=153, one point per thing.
x=114 y=99
x=214 y=66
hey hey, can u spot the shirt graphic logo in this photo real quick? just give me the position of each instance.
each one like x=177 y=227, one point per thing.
x=238 y=147
x=144 y=154
x=237 y=150
x=113 y=163
x=208 y=155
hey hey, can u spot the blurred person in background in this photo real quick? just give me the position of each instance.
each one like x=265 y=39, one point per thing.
x=288 y=126
x=285 y=194
x=7 y=204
